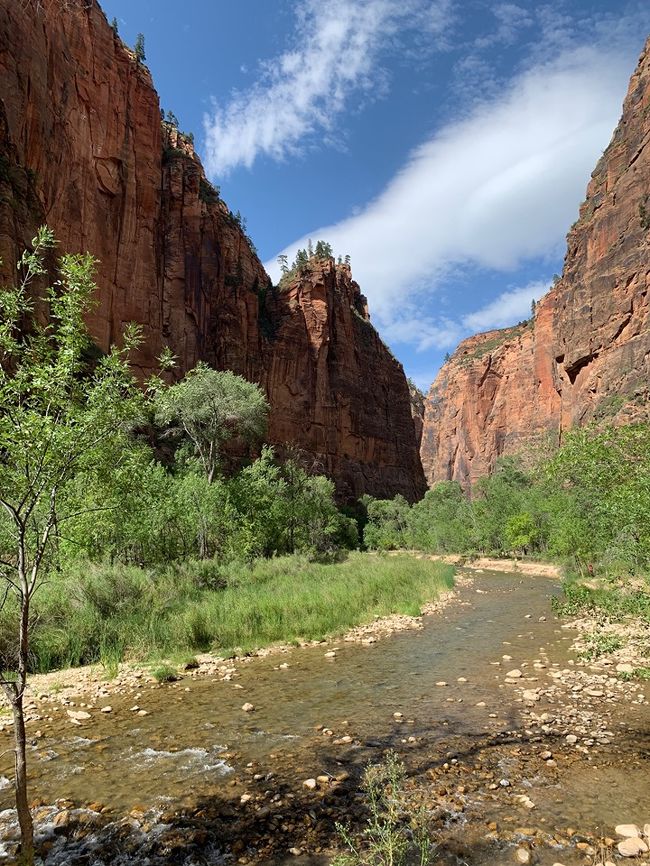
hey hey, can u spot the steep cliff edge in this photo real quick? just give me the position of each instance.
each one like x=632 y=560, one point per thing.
x=586 y=354
x=82 y=146
x=335 y=388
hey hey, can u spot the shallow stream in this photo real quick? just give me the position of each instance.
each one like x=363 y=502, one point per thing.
x=196 y=740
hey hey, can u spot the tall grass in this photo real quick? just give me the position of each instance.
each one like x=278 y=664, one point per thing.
x=105 y=613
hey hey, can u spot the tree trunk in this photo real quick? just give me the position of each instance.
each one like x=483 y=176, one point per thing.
x=22 y=806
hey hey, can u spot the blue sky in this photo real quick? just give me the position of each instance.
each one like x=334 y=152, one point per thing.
x=444 y=144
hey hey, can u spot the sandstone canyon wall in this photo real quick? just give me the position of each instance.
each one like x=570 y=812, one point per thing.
x=585 y=356
x=82 y=147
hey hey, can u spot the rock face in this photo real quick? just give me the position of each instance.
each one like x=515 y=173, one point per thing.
x=335 y=389
x=585 y=357
x=82 y=146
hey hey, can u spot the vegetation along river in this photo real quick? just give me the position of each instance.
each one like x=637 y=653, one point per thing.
x=487 y=755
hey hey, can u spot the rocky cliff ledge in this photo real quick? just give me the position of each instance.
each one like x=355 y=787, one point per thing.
x=82 y=146
x=586 y=354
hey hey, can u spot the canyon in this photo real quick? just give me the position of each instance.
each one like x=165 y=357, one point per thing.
x=83 y=148
x=584 y=356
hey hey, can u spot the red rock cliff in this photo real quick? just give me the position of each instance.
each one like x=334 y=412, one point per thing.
x=82 y=147
x=586 y=355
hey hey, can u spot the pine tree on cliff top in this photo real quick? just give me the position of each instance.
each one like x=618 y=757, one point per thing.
x=139 y=48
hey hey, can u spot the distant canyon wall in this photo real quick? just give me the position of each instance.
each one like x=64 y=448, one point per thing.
x=585 y=356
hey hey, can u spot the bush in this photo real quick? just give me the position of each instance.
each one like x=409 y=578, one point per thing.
x=110 y=613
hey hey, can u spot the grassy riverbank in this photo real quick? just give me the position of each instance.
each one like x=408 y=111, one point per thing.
x=108 y=614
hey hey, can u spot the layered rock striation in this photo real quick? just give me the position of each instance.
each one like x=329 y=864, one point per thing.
x=82 y=146
x=585 y=355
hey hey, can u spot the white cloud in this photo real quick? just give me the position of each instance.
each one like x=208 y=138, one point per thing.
x=423 y=332
x=498 y=187
x=335 y=53
x=511 y=306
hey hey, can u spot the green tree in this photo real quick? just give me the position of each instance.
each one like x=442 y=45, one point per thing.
x=442 y=521
x=323 y=250
x=282 y=261
x=520 y=533
x=209 y=408
x=604 y=477
x=58 y=419
x=387 y=524
x=114 y=26
x=139 y=48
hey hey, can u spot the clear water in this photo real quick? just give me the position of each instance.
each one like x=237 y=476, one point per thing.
x=196 y=732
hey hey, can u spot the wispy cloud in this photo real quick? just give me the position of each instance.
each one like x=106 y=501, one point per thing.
x=492 y=190
x=509 y=307
x=335 y=53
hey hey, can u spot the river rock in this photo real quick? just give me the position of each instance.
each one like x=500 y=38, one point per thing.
x=628 y=830
x=310 y=784
x=106 y=710
x=330 y=655
x=646 y=831
x=625 y=668
x=514 y=674
x=632 y=847
x=531 y=695
x=571 y=739
x=248 y=708
x=522 y=855
x=62 y=821
x=78 y=715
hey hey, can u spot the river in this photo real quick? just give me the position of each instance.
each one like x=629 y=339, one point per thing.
x=429 y=694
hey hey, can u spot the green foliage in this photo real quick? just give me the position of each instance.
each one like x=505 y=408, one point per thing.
x=321 y=252
x=139 y=48
x=60 y=421
x=108 y=613
x=599 y=644
x=208 y=193
x=616 y=603
x=164 y=674
x=210 y=408
x=588 y=506
x=395 y=832
x=114 y=27
x=387 y=523
x=636 y=674
x=486 y=347
x=520 y=532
